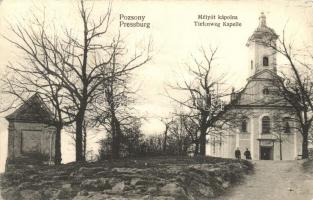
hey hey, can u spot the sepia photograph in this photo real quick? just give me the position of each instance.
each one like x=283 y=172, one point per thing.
x=156 y=100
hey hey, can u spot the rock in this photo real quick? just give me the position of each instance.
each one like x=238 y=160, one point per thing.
x=235 y=166
x=11 y=194
x=63 y=194
x=219 y=179
x=137 y=181
x=205 y=190
x=216 y=169
x=152 y=189
x=79 y=197
x=99 y=196
x=47 y=182
x=73 y=174
x=67 y=186
x=77 y=177
x=225 y=184
x=82 y=193
x=24 y=185
x=30 y=166
x=102 y=173
x=59 y=178
x=141 y=188
x=47 y=193
x=119 y=187
x=163 y=198
x=172 y=189
x=90 y=170
x=95 y=185
x=30 y=195
x=128 y=170
x=147 y=197
x=113 y=181
x=33 y=177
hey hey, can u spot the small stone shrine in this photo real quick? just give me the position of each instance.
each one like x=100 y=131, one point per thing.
x=31 y=135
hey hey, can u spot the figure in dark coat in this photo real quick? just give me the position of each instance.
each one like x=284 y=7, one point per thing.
x=247 y=154
x=237 y=153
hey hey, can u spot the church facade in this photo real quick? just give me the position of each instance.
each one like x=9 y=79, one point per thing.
x=265 y=121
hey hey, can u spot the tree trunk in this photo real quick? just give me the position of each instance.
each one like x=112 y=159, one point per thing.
x=196 y=148
x=116 y=146
x=165 y=141
x=305 y=150
x=57 y=145
x=202 y=139
x=85 y=142
x=116 y=138
x=280 y=147
x=79 y=139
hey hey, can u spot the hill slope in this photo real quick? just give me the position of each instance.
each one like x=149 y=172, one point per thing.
x=155 y=178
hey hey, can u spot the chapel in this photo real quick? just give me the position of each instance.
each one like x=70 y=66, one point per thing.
x=265 y=120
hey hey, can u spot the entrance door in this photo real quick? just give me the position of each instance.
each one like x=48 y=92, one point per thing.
x=266 y=153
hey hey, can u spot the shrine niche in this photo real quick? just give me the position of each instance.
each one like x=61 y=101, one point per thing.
x=31 y=135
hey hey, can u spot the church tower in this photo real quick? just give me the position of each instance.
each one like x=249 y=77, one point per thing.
x=261 y=55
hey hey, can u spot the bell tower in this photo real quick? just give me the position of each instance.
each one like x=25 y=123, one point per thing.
x=261 y=54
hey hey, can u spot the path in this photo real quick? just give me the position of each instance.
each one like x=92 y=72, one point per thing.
x=274 y=180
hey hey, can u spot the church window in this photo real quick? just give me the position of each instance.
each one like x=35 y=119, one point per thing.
x=244 y=126
x=251 y=64
x=265 y=61
x=266 y=125
x=266 y=91
x=286 y=125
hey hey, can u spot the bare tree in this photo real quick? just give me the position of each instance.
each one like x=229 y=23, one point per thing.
x=75 y=62
x=204 y=98
x=297 y=86
x=114 y=109
x=167 y=123
x=179 y=140
x=285 y=124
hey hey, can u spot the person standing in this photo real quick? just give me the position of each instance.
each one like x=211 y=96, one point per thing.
x=237 y=153
x=247 y=154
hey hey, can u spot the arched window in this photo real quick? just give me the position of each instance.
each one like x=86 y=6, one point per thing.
x=266 y=125
x=286 y=125
x=265 y=61
x=244 y=126
x=251 y=64
x=266 y=91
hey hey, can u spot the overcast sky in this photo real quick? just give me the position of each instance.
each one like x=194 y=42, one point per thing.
x=175 y=38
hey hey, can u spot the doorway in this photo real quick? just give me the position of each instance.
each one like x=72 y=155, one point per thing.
x=266 y=153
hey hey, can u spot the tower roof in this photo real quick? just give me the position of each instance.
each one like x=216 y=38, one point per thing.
x=262 y=31
x=33 y=110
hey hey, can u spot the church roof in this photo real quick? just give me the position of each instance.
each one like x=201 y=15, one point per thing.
x=239 y=98
x=260 y=73
x=32 y=110
x=262 y=31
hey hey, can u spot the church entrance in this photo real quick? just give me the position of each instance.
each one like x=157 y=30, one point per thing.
x=266 y=149
x=266 y=153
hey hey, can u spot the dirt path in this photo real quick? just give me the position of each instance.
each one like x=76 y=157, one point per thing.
x=274 y=180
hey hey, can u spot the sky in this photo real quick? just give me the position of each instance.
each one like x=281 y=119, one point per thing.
x=175 y=39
